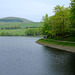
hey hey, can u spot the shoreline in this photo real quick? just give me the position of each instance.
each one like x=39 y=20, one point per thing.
x=64 y=48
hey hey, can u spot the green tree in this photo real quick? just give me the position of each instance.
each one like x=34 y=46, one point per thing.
x=2 y=33
x=58 y=24
x=72 y=10
x=61 y=20
x=33 y=32
x=72 y=17
x=46 y=26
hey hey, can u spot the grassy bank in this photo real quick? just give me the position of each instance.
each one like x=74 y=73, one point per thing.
x=70 y=38
x=56 y=42
x=12 y=32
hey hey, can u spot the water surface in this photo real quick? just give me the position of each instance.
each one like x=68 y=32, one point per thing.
x=22 y=56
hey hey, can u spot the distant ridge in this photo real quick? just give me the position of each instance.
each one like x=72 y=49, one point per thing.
x=14 y=19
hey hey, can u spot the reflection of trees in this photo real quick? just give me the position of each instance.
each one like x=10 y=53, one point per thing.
x=61 y=62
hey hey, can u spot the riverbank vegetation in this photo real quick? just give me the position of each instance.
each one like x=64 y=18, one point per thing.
x=12 y=32
x=21 y=32
x=59 y=29
x=61 y=25
x=20 y=29
x=51 y=41
x=33 y=32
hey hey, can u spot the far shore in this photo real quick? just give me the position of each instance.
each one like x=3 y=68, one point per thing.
x=65 y=48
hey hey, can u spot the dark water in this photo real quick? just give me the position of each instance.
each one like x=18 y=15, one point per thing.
x=22 y=56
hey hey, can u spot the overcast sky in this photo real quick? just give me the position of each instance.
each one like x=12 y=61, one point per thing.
x=29 y=9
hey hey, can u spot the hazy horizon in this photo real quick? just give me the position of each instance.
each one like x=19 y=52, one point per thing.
x=29 y=9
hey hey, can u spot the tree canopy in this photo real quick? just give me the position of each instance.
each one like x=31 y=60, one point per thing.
x=58 y=24
x=72 y=15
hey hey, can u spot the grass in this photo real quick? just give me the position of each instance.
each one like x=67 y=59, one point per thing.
x=20 y=24
x=56 y=42
x=71 y=38
x=14 y=31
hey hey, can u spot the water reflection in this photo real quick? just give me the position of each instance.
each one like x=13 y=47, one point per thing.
x=22 y=56
x=60 y=62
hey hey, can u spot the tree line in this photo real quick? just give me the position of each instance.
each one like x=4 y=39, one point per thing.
x=62 y=23
x=33 y=32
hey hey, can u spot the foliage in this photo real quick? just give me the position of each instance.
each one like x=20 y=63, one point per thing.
x=18 y=29
x=13 y=32
x=33 y=32
x=45 y=27
x=5 y=34
x=58 y=24
x=56 y=42
x=72 y=15
x=61 y=20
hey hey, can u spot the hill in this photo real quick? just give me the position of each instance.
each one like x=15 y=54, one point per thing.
x=13 y=26
x=14 y=19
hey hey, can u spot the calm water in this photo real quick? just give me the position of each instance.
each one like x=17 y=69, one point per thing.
x=22 y=56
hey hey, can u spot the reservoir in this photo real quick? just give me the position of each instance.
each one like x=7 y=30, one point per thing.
x=22 y=56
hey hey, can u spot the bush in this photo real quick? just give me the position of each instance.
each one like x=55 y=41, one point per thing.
x=33 y=32
x=5 y=34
